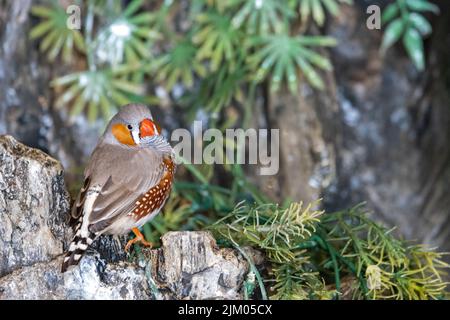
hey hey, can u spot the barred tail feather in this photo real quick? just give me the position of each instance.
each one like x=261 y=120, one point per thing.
x=77 y=248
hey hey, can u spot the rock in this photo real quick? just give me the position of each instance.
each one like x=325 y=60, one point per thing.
x=91 y=280
x=33 y=206
x=190 y=265
x=187 y=266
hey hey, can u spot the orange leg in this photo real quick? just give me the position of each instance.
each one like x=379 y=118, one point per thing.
x=139 y=239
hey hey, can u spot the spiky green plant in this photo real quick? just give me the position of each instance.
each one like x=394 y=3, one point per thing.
x=127 y=38
x=178 y=65
x=217 y=40
x=317 y=9
x=261 y=17
x=280 y=56
x=395 y=269
x=55 y=36
x=215 y=55
x=223 y=47
x=96 y=91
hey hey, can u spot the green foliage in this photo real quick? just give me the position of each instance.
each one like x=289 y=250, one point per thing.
x=311 y=253
x=261 y=17
x=96 y=90
x=405 y=271
x=404 y=20
x=318 y=8
x=217 y=40
x=178 y=65
x=223 y=48
x=127 y=38
x=282 y=55
x=56 y=37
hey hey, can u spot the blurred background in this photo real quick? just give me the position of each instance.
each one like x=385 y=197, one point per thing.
x=363 y=113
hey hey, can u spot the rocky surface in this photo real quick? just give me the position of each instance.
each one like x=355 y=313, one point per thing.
x=92 y=279
x=34 y=205
x=189 y=265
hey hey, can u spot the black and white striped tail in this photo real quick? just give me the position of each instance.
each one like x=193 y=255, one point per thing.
x=77 y=248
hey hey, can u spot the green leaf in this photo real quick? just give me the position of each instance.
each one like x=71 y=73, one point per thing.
x=132 y=8
x=317 y=59
x=41 y=11
x=414 y=46
x=318 y=9
x=260 y=17
x=127 y=86
x=79 y=41
x=71 y=93
x=48 y=40
x=393 y=32
x=305 y=10
x=331 y=6
x=92 y=111
x=78 y=105
x=310 y=74
x=390 y=12
x=422 y=5
x=420 y=23
x=145 y=17
x=41 y=29
x=317 y=12
x=322 y=41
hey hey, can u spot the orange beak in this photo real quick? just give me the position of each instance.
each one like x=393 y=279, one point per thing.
x=148 y=128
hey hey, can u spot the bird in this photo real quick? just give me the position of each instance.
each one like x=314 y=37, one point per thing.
x=126 y=182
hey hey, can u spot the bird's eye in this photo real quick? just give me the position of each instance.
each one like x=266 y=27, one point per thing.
x=130 y=127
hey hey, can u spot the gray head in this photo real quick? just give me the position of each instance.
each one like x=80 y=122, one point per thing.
x=132 y=126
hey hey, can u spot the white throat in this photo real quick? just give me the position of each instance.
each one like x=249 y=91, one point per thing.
x=135 y=135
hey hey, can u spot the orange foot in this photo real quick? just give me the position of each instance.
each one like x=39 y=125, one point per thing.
x=139 y=239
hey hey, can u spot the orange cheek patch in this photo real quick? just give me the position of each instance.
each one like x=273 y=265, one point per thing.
x=122 y=134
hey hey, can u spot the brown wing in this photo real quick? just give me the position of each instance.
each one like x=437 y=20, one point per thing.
x=120 y=175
